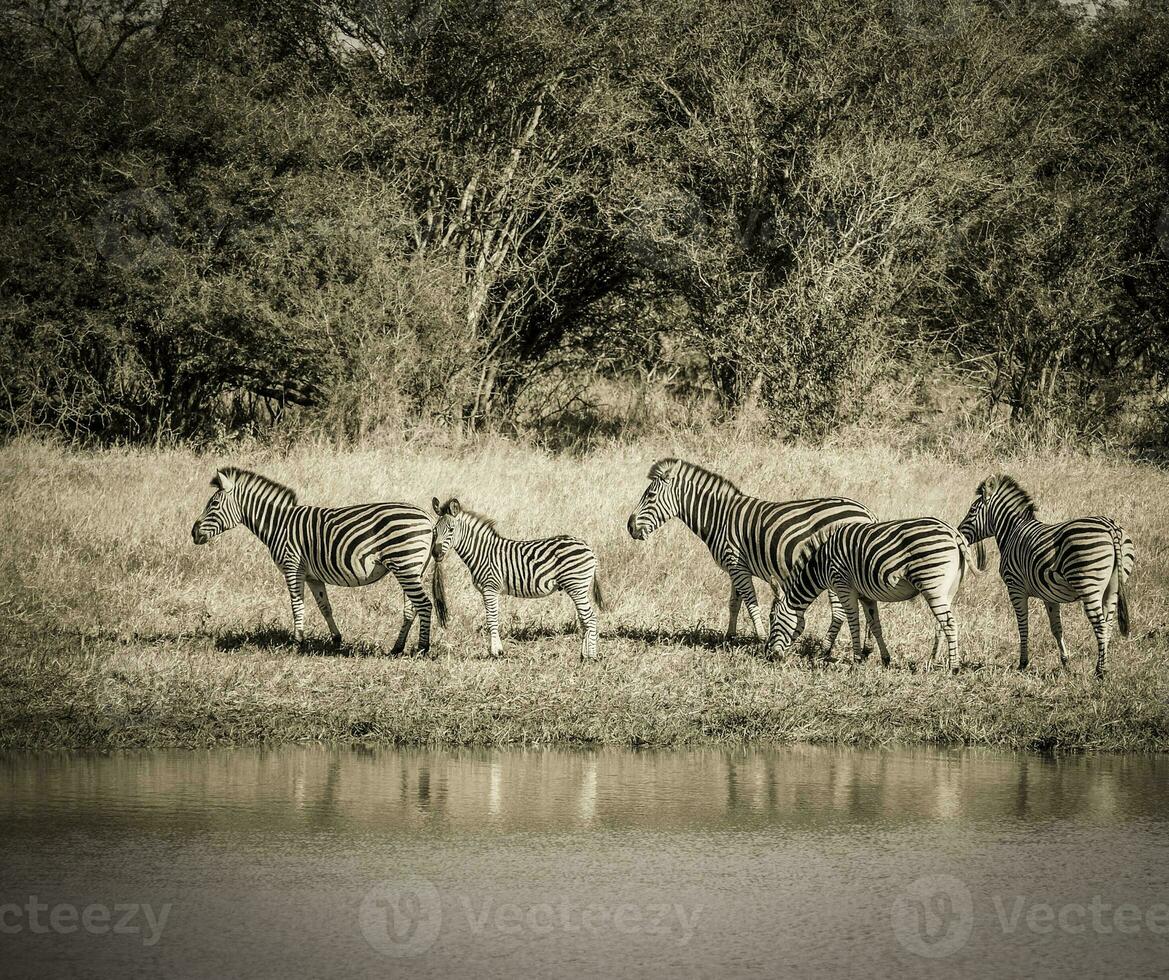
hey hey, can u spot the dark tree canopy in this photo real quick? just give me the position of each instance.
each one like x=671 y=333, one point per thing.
x=375 y=213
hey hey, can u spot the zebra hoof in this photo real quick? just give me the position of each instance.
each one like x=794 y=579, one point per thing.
x=336 y=641
x=298 y=637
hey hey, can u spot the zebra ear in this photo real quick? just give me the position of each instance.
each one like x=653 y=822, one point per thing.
x=223 y=481
x=454 y=507
x=436 y=505
x=663 y=469
x=989 y=486
x=776 y=586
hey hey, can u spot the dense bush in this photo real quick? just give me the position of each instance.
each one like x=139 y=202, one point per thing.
x=379 y=213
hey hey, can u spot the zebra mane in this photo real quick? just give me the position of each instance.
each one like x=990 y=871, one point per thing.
x=282 y=495
x=680 y=469
x=992 y=486
x=474 y=518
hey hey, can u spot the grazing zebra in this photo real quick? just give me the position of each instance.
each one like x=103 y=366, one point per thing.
x=748 y=537
x=321 y=546
x=529 y=569
x=869 y=563
x=1088 y=559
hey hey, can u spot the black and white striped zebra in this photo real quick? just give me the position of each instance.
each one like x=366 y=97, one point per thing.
x=748 y=537
x=1088 y=559
x=892 y=561
x=322 y=546
x=528 y=569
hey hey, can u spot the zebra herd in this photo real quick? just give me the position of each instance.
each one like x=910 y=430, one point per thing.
x=802 y=548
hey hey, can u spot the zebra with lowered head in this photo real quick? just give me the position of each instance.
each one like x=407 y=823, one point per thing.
x=528 y=569
x=1087 y=560
x=892 y=561
x=322 y=546
x=748 y=537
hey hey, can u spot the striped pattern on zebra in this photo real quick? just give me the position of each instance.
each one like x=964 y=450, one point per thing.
x=748 y=537
x=1087 y=560
x=528 y=569
x=892 y=561
x=322 y=546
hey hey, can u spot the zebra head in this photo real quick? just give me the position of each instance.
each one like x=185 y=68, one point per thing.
x=787 y=623
x=659 y=502
x=446 y=528
x=222 y=512
x=997 y=497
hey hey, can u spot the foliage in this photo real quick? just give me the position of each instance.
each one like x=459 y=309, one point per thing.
x=384 y=213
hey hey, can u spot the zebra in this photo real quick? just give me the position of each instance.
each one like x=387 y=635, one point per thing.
x=748 y=537
x=529 y=569
x=891 y=561
x=1088 y=559
x=321 y=546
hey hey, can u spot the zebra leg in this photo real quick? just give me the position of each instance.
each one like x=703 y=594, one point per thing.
x=1019 y=602
x=1096 y=617
x=1053 y=617
x=852 y=614
x=873 y=618
x=745 y=589
x=733 y=620
x=491 y=605
x=416 y=605
x=322 y=596
x=588 y=622
x=294 y=577
x=940 y=607
x=834 y=625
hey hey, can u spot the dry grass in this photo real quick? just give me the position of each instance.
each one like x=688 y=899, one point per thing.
x=121 y=633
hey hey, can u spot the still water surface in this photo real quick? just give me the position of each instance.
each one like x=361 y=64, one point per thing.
x=802 y=862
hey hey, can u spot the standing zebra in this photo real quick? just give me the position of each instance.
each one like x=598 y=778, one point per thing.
x=869 y=563
x=529 y=569
x=748 y=537
x=321 y=546
x=1088 y=559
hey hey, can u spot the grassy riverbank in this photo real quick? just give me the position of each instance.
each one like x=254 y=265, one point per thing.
x=119 y=632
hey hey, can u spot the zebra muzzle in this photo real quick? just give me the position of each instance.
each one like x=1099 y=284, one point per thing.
x=633 y=531
x=196 y=535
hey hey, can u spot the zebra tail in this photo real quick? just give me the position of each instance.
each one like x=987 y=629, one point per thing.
x=1121 y=584
x=438 y=587
x=597 y=597
x=974 y=562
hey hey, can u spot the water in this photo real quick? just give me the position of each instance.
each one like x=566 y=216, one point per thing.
x=803 y=862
